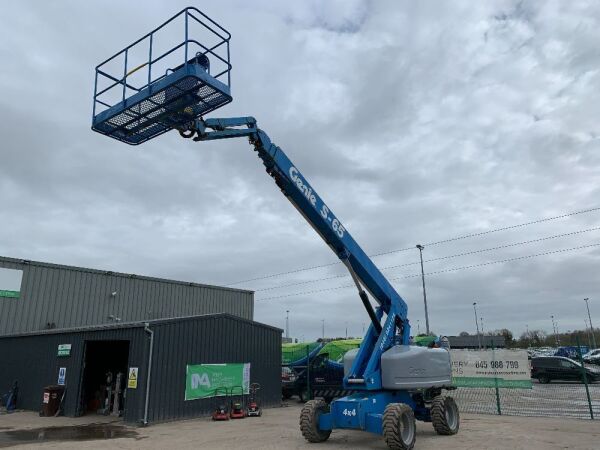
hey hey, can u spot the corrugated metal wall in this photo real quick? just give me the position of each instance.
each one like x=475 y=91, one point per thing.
x=210 y=341
x=32 y=360
x=68 y=297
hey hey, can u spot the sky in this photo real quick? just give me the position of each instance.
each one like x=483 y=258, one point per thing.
x=416 y=122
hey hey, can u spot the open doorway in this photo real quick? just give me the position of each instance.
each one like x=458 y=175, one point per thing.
x=104 y=377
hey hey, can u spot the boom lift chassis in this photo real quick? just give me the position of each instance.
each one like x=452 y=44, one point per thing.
x=178 y=100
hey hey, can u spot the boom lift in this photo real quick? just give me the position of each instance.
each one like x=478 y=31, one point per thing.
x=394 y=383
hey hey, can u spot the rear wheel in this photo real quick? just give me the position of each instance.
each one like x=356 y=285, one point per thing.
x=399 y=427
x=309 y=421
x=444 y=415
x=543 y=379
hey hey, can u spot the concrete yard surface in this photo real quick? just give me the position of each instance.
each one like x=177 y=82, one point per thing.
x=278 y=429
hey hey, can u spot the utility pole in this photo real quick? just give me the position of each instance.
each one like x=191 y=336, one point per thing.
x=528 y=336
x=590 y=317
x=477 y=325
x=287 y=323
x=323 y=328
x=483 y=344
x=420 y=247
x=588 y=333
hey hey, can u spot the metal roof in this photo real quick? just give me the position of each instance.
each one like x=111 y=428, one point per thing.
x=115 y=274
x=137 y=324
x=54 y=296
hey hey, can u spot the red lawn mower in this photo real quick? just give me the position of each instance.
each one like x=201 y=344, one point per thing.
x=254 y=409
x=221 y=411
x=238 y=405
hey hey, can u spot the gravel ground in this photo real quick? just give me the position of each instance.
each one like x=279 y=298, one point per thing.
x=278 y=428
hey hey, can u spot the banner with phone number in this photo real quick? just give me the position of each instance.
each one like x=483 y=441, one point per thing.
x=491 y=368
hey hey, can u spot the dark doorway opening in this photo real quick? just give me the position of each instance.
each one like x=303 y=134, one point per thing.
x=104 y=377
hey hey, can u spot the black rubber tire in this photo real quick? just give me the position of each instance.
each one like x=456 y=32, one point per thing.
x=445 y=416
x=399 y=426
x=309 y=421
x=543 y=379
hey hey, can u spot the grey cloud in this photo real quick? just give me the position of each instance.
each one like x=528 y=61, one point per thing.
x=414 y=121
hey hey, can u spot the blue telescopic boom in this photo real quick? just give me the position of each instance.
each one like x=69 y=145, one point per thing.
x=365 y=372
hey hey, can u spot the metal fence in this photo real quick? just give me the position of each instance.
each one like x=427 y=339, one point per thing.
x=543 y=400
x=574 y=399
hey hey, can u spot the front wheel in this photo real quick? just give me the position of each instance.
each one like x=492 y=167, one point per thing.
x=309 y=421
x=399 y=427
x=444 y=415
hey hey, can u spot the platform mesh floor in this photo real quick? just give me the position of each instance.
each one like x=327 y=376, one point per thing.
x=169 y=108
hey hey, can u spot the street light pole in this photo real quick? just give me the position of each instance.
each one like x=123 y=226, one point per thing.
x=287 y=323
x=555 y=329
x=323 y=328
x=346 y=330
x=588 y=333
x=590 y=317
x=420 y=247
x=477 y=325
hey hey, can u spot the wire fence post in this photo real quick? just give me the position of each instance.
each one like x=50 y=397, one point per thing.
x=498 y=408
x=584 y=377
x=309 y=392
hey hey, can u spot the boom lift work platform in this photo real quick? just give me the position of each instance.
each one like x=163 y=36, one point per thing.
x=395 y=383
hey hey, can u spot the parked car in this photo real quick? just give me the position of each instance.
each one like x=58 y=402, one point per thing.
x=592 y=357
x=288 y=382
x=549 y=368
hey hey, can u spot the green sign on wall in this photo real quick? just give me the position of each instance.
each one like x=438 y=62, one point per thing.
x=10 y=282
x=202 y=380
x=64 y=349
x=9 y=294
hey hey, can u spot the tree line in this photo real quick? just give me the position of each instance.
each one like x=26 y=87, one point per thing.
x=540 y=338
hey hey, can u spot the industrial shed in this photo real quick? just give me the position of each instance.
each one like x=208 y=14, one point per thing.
x=36 y=296
x=160 y=350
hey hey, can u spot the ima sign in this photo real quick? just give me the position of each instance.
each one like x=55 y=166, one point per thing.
x=210 y=380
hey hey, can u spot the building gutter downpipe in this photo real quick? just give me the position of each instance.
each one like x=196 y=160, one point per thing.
x=151 y=333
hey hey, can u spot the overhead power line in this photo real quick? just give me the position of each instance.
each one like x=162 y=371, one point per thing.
x=453 y=269
x=429 y=244
x=457 y=255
